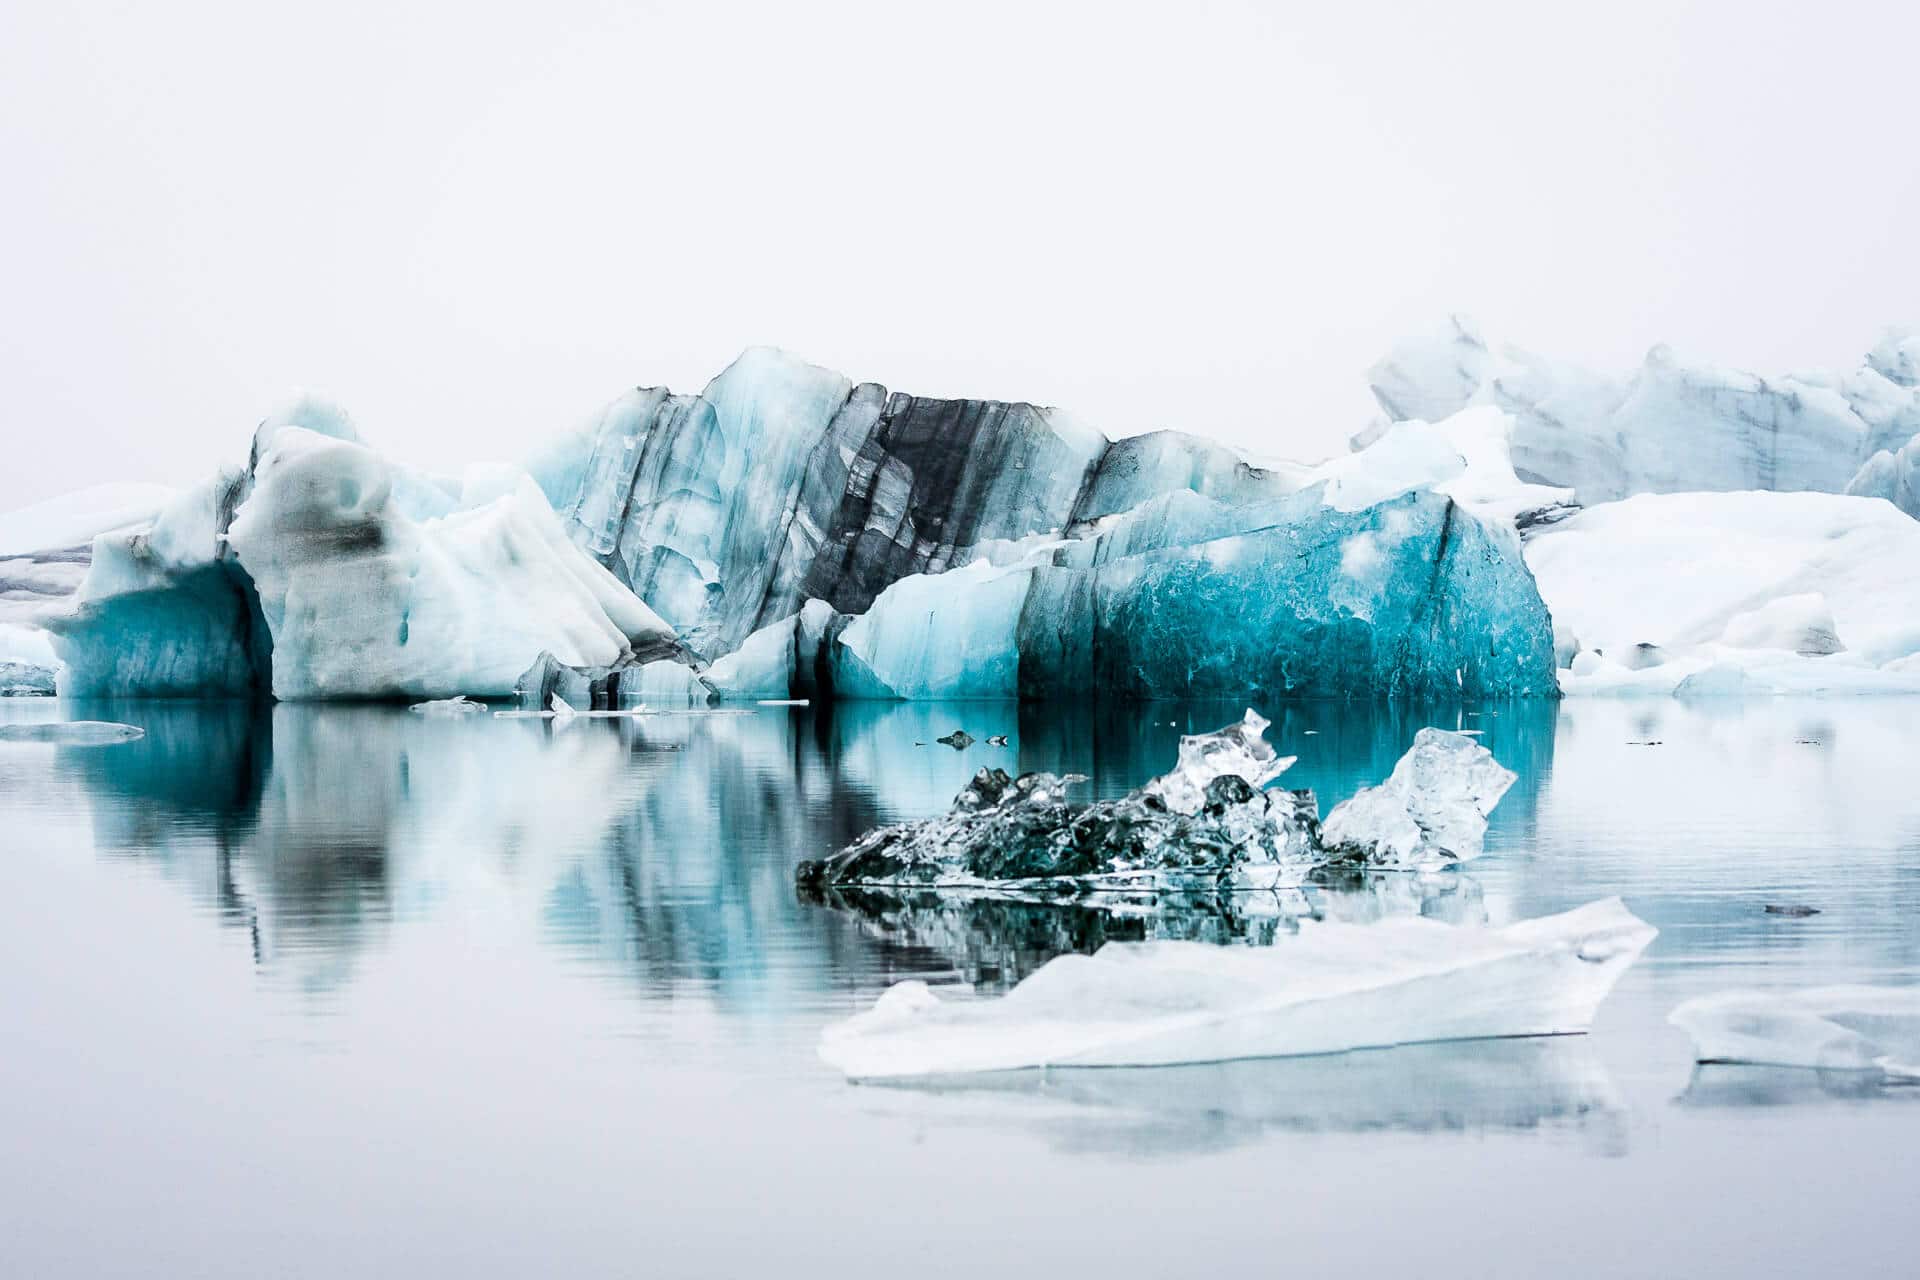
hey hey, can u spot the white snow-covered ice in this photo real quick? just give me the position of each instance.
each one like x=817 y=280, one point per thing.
x=1847 y=1028
x=1332 y=988
x=1753 y=593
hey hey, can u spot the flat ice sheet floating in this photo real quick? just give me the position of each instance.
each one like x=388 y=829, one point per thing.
x=1852 y=1028
x=1333 y=988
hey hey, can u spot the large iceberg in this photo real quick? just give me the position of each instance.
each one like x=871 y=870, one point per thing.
x=1186 y=597
x=1332 y=988
x=320 y=570
x=1208 y=826
x=1853 y=1028
x=1671 y=426
x=784 y=482
x=1735 y=593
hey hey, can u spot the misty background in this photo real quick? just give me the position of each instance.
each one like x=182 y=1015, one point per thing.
x=472 y=224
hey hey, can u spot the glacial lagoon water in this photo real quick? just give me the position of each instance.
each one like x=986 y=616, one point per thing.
x=303 y=990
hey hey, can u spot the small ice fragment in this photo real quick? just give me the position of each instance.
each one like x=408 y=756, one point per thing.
x=1430 y=811
x=561 y=710
x=959 y=740
x=72 y=733
x=1333 y=988
x=784 y=702
x=997 y=740
x=1240 y=750
x=455 y=706
x=1852 y=1028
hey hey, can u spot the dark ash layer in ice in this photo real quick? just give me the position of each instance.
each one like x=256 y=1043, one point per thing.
x=1206 y=825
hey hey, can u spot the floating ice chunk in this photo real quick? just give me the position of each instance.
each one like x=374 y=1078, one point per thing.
x=456 y=706
x=1430 y=811
x=1333 y=988
x=561 y=709
x=1849 y=1028
x=1207 y=825
x=72 y=733
x=1240 y=749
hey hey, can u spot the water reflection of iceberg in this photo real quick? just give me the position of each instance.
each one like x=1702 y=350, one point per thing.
x=1465 y=1087
x=658 y=852
x=1715 y=1085
x=992 y=940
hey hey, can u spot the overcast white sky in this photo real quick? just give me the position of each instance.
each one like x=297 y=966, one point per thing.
x=472 y=224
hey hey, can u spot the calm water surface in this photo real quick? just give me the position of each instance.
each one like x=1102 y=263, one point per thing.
x=325 y=991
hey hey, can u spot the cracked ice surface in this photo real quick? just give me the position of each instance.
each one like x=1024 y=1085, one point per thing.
x=1333 y=988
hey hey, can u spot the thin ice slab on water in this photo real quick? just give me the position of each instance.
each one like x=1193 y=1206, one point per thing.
x=1847 y=1028
x=1333 y=988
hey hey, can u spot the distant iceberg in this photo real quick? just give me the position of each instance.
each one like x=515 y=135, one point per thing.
x=1332 y=988
x=1858 y=1028
x=1671 y=426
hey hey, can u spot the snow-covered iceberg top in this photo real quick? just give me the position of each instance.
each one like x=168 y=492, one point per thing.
x=1847 y=1028
x=1333 y=988
x=1207 y=824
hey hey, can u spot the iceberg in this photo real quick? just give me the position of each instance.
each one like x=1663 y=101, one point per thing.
x=1432 y=809
x=1735 y=592
x=783 y=482
x=1187 y=598
x=445 y=708
x=1207 y=826
x=1846 y=1028
x=364 y=601
x=1891 y=474
x=320 y=570
x=45 y=550
x=1672 y=426
x=1332 y=988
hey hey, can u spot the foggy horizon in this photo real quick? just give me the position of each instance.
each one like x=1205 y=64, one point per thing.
x=471 y=232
